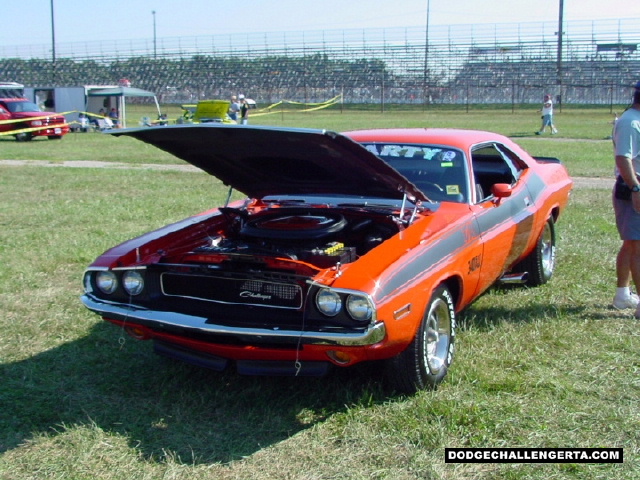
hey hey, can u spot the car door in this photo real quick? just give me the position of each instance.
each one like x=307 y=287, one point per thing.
x=504 y=219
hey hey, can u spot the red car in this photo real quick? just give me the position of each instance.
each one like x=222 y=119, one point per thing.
x=24 y=120
x=348 y=248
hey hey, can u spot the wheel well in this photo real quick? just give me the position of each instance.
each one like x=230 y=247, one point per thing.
x=454 y=285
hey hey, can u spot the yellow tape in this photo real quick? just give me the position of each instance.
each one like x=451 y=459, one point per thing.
x=28 y=119
x=34 y=129
x=52 y=114
x=256 y=113
x=314 y=106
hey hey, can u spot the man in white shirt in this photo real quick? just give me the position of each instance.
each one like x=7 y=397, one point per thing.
x=547 y=116
x=626 y=204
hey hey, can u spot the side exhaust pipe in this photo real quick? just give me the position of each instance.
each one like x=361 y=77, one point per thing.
x=514 y=278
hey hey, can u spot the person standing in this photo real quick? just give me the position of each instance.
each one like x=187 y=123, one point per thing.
x=244 y=110
x=626 y=204
x=547 y=116
x=234 y=108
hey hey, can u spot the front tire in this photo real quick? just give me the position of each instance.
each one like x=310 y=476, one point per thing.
x=425 y=362
x=23 y=136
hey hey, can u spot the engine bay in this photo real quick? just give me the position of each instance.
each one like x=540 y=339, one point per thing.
x=318 y=236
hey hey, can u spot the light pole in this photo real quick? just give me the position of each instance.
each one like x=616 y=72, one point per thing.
x=53 y=45
x=153 y=12
x=559 y=54
x=426 y=57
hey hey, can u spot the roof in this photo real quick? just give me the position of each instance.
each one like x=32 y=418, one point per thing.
x=120 y=92
x=452 y=137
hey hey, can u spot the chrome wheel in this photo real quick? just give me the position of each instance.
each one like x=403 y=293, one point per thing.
x=437 y=336
x=548 y=250
x=541 y=262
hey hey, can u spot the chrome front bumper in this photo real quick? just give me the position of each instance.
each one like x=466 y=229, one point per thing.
x=125 y=313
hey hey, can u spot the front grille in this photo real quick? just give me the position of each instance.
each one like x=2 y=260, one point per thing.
x=53 y=121
x=232 y=290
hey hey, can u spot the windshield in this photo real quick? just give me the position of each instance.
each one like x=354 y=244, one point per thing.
x=18 y=107
x=439 y=172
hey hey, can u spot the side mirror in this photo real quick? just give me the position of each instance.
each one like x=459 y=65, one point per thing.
x=501 y=190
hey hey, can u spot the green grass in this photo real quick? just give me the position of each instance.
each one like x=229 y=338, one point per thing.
x=592 y=157
x=553 y=366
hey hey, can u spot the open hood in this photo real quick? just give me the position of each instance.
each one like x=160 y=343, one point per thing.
x=260 y=161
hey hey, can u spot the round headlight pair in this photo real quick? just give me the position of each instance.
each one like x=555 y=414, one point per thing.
x=132 y=282
x=330 y=304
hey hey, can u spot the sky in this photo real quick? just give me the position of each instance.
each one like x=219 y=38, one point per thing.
x=28 y=22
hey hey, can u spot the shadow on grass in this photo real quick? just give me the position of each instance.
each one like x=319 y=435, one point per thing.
x=532 y=133
x=167 y=408
x=488 y=317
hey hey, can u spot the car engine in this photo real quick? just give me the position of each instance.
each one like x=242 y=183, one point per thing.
x=317 y=236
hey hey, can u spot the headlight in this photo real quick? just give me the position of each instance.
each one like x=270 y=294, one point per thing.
x=107 y=282
x=36 y=123
x=359 y=308
x=328 y=302
x=133 y=282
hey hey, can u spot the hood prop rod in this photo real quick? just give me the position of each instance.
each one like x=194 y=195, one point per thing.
x=226 y=203
x=402 y=209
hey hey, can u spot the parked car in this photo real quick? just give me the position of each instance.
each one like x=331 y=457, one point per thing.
x=24 y=120
x=349 y=248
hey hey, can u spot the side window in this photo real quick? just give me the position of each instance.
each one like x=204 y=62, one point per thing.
x=491 y=164
x=513 y=161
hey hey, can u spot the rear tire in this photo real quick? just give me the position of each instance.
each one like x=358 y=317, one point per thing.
x=541 y=262
x=425 y=362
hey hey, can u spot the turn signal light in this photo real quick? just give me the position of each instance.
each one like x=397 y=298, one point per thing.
x=339 y=357
x=137 y=332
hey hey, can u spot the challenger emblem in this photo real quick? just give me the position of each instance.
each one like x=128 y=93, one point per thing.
x=259 y=296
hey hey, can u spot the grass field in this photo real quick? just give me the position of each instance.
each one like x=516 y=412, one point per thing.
x=553 y=366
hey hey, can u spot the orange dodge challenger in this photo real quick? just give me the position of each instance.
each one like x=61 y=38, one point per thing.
x=349 y=248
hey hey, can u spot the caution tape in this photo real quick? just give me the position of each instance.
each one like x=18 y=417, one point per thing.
x=31 y=119
x=312 y=106
x=34 y=129
x=270 y=110
x=45 y=117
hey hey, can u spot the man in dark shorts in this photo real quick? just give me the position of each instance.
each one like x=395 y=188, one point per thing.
x=626 y=204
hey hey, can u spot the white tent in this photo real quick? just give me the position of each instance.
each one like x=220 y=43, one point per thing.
x=122 y=93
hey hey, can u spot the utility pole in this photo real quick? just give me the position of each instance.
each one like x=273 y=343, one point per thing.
x=425 y=80
x=53 y=46
x=155 y=51
x=560 y=34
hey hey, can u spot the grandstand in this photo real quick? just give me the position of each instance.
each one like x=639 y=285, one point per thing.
x=459 y=64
